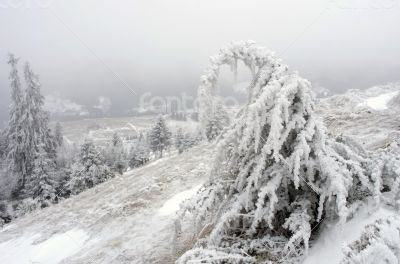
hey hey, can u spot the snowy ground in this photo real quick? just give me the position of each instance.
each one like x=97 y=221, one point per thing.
x=328 y=246
x=128 y=219
x=100 y=130
x=364 y=115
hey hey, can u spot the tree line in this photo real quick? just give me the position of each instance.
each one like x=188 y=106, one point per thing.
x=40 y=168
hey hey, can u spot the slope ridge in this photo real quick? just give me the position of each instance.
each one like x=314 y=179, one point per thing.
x=120 y=217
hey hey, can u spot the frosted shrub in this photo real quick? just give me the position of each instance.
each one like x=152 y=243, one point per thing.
x=115 y=155
x=379 y=243
x=89 y=170
x=26 y=206
x=276 y=175
x=140 y=153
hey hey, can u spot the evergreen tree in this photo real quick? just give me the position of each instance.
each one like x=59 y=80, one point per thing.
x=33 y=126
x=160 y=137
x=36 y=118
x=28 y=126
x=15 y=137
x=3 y=142
x=41 y=183
x=216 y=123
x=89 y=170
x=180 y=141
x=140 y=153
x=58 y=136
x=116 y=155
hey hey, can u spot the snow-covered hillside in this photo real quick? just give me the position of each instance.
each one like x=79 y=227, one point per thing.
x=100 y=130
x=128 y=219
x=370 y=115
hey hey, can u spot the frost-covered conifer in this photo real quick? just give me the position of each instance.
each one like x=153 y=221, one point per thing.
x=160 y=137
x=58 y=136
x=28 y=126
x=140 y=153
x=15 y=136
x=36 y=121
x=213 y=115
x=116 y=156
x=89 y=170
x=180 y=141
x=3 y=144
x=214 y=126
x=277 y=174
x=41 y=183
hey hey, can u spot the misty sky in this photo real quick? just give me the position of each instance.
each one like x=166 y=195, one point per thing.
x=92 y=50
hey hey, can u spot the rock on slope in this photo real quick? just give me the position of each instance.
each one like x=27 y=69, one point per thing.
x=119 y=221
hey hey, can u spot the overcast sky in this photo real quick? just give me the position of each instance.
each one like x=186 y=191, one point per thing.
x=88 y=50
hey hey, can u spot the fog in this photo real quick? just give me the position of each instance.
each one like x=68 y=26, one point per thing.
x=106 y=54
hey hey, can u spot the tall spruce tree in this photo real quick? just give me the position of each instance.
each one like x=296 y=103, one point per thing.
x=35 y=125
x=160 y=137
x=36 y=117
x=28 y=126
x=15 y=147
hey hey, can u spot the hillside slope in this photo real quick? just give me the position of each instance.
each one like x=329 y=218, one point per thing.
x=125 y=220
x=130 y=219
x=370 y=115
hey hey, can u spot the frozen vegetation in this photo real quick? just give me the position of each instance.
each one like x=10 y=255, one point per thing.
x=129 y=219
x=288 y=179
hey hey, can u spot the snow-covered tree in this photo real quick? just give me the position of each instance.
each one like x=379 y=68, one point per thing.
x=15 y=136
x=35 y=125
x=116 y=155
x=276 y=175
x=216 y=123
x=160 y=137
x=180 y=141
x=386 y=165
x=140 y=153
x=41 y=183
x=213 y=116
x=58 y=135
x=89 y=170
x=3 y=144
x=36 y=118
x=184 y=141
x=28 y=126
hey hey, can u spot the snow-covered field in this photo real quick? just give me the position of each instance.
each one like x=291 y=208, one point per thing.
x=25 y=249
x=128 y=219
x=100 y=130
